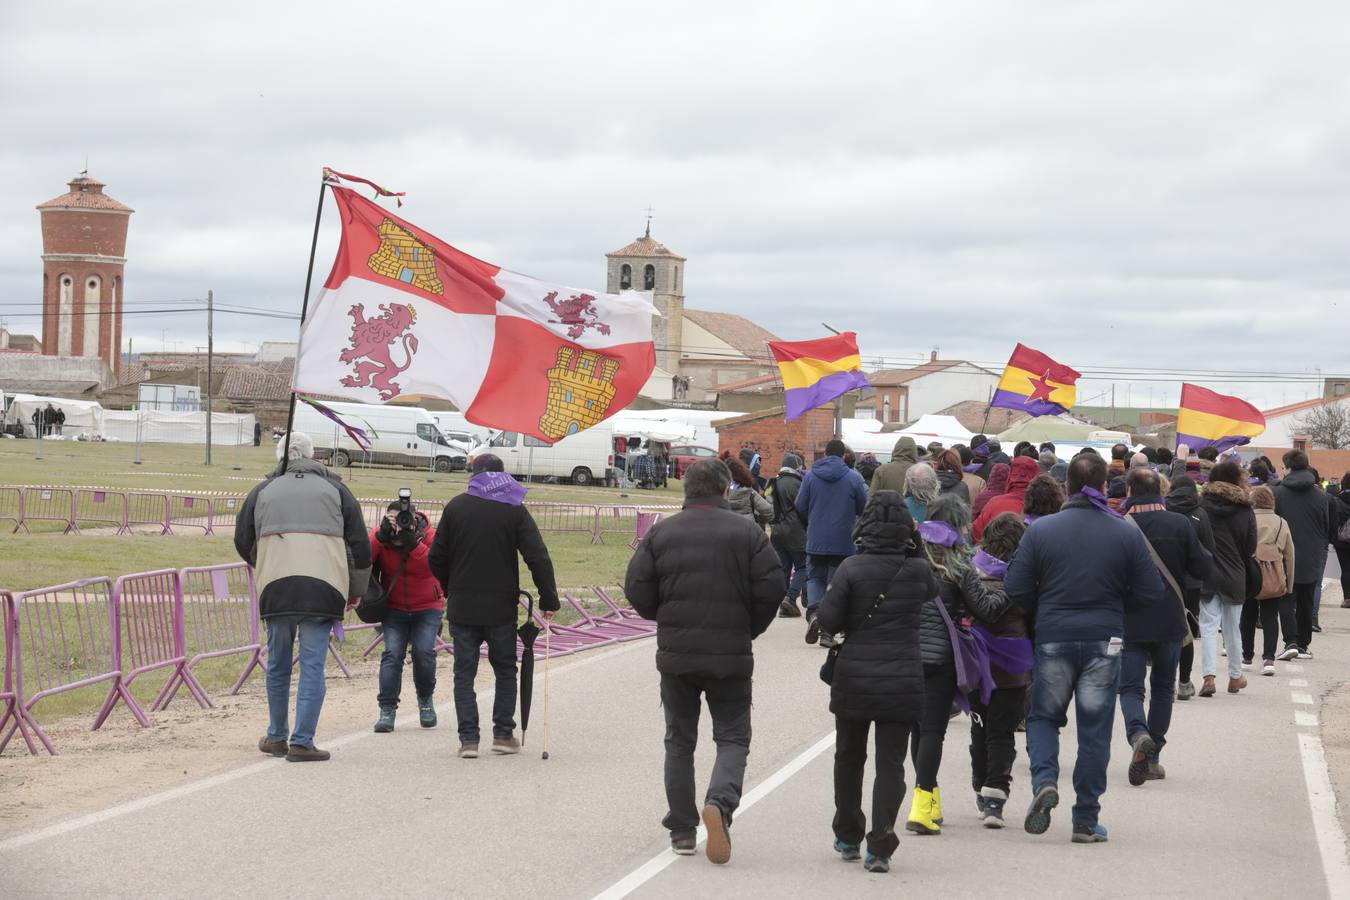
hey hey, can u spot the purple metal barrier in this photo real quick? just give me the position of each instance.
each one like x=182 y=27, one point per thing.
x=11 y=506
x=226 y=509
x=41 y=504
x=149 y=635
x=62 y=640
x=190 y=511
x=627 y=630
x=625 y=519
x=100 y=509
x=220 y=612
x=9 y=694
x=565 y=518
x=566 y=637
x=147 y=510
x=617 y=611
x=645 y=521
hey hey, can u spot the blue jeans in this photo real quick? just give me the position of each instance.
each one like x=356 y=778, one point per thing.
x=313 y=632
x=400 y=629
x=819 y=573
x=1082 y=672
x=501 y=641
x=1164 y=656
x=794 y=571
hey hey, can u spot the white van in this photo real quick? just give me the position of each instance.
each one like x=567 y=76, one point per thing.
x=457 y=428
x=400 y=436
x=585 y=457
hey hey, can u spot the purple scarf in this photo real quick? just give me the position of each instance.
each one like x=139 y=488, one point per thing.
x=497 y=487
x=973 y=467
x=941 y=533
x=989 y=565
x=1015 y=656
x=1098 y=499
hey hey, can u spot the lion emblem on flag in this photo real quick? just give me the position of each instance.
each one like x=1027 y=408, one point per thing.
x=372 y=343
x=577 y=312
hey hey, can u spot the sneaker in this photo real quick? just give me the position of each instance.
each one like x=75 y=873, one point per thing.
x=1289 y=653
x=505 y=746
x=1305 y=654
x=468 y=751
x=879 y=864
x=1207 y=689
x=719 y=835
x=272 y=748
x=1267 y=667
x=684 y=845
x=1223 y=651
x=1089 y=834
x=1185 y=690
x=1246 y=663
x=789 y=609
x=812 y=628
x=1155 y=772
x=980 y=804
x=426 y=712
x=993 y=806
x=847 y=852
x=1317 y=628
x=1144 y=747
x=385 y=723
x=1236 y=684
x=1038 y=815
x=827 y=640
x=301 y=753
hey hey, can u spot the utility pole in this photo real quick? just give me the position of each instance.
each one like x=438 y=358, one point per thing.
x=210 y=345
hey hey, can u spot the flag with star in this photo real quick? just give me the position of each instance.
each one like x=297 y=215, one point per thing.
x=1035 y=384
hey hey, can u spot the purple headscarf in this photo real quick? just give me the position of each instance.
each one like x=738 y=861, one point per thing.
x=497 y=487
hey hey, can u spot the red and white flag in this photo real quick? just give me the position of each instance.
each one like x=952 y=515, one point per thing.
x=403 y=312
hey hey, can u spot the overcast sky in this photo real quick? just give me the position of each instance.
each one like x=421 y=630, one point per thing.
x=1117 y=184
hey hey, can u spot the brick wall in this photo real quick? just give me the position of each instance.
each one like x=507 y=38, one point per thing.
x=1330 y=464
x=771 y=437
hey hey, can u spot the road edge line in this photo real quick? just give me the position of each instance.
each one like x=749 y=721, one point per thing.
x=1331 y=840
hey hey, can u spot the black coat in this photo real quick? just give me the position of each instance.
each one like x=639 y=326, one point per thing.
x=1186 y=500
x=1174 y=540
x=474 y=557
x=971 y=596
x=879 y=673
x=1302 y=503
x=1341 y=509
x=1012 y=624
x=788 y=529
x=713 y=584
x=951 y=483
x=1234 y=524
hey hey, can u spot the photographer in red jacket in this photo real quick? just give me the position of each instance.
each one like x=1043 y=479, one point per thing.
x=399 y=549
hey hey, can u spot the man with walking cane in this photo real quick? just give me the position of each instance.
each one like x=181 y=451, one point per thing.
x=474 y=557
x=713 y=583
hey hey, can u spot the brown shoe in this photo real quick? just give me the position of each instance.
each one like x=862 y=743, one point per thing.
x=1208 y=689
x=468 y=751
x=1236 y=684
x=301 y=753
x=272 y=748
x=505 y=746
x=719 y=835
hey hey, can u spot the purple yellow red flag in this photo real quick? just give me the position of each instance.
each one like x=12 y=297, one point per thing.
x=1210 y=419
x=816 y=372
x=1035 y=384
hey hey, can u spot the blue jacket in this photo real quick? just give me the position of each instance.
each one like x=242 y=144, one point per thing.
x=1079 y=572
x=831 y=498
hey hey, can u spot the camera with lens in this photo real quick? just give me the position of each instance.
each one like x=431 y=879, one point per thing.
x=404 y=532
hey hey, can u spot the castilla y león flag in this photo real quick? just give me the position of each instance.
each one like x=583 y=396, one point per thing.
x=403 y=312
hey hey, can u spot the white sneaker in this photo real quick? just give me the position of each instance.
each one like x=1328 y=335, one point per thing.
x=1223 y=651
x=1268 y=667
x=1305 y=654
x=1246 y=667
x=1288 y=654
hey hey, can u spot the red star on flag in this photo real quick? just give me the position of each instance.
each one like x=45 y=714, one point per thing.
x=1041 y=388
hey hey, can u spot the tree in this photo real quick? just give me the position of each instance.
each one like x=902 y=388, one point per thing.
x=1327 y=425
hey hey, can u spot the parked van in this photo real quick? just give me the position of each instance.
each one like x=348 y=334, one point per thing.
x=585 y=457
x=455 y=426
x=400 y=436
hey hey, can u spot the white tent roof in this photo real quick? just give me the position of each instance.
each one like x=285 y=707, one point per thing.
x=946 y=429
x=81 y=415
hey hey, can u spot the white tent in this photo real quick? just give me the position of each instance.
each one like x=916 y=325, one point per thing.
x=158 y=426
x=946 y=429
x=81 y=415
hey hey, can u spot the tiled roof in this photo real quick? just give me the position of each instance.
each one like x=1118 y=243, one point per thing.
x=645 y=246
x=738 y=331
x=85 y=193
x=896 y=377
x=256 y=383
x=761 y=384
x=1293 y=408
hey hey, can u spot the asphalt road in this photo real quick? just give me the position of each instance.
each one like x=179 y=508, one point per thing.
x=1235 y=818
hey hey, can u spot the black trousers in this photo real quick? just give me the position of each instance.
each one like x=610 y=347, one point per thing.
x=1251 y=611
x=939 y=688
x=1343 y=557
x=729 y=704
x=993 y=737
x=1303 y=612
x=1192 y=601
x=888 y=785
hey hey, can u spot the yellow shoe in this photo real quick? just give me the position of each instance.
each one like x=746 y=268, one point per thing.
x=921 y=814
x=937 y=806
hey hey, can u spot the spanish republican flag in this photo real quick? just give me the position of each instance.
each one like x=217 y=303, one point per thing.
x=1207 y=419
x=1035 y=384
x=816 y=372
x=403 y=312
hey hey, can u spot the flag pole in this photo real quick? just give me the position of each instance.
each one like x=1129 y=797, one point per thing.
x=838 y=402
x=304 y=310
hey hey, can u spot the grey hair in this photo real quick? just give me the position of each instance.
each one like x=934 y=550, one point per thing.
x=921 y=483
x=302 y=446
x=706 y=478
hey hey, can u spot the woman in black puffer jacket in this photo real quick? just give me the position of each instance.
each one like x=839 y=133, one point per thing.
x=875 y=599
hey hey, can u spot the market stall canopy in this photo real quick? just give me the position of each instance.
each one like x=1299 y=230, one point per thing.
x=1048 y=428
x=81 y=415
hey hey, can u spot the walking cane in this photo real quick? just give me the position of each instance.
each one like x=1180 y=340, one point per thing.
x=548 y=658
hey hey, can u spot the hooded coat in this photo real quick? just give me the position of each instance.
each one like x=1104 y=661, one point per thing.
x=1011 y=624
x=997 y=484
x=831 y=498
x=1184 y=498
x=788 y=533
x=1023 y=469
x=879 y=673
x=952 y=483
x=1302 y=503
x=996 y=458
x=747 y=502
x=1234 y=524
x=1271 y=529
x=891 y=476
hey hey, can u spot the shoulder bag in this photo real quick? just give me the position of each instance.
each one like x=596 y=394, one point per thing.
x=374 y=606
x=832 y=657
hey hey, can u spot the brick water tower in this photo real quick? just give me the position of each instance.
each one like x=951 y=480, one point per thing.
x=84 y=246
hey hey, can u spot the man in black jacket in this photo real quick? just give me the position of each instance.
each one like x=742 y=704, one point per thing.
x=788 y=535
x=1301 y=502
x=713 y=583
x=474 y=557
x=1154 y=630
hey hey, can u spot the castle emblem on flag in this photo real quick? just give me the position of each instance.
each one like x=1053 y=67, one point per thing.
x=372 y=342
x=404 y=258
x=580 y=390
x=577 y=311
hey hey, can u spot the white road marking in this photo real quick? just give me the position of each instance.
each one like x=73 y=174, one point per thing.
x=1305 y=699
x=1306 y=719
x=196 y=787
x=1326 y=825
x=1298 y=682
x=658 y=863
